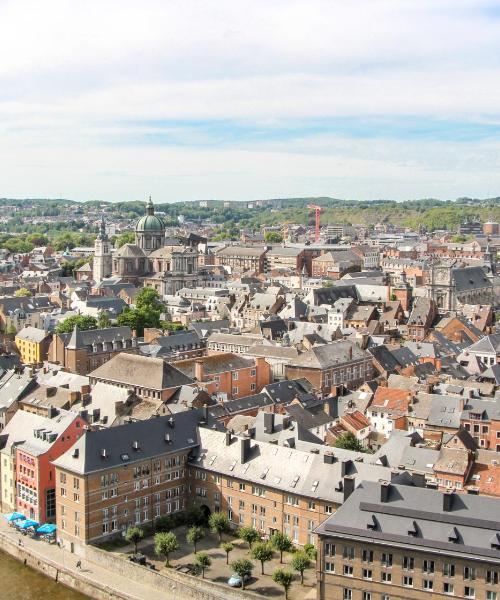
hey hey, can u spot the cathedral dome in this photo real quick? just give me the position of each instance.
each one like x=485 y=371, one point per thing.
x=150 y=222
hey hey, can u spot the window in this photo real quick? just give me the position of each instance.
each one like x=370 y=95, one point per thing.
x=367 y=574
x=347 y=595
x=311 y=505
x=386 y=577
x=428 y=584
x=449 y=570
x=242 y=487
x=329 y=549
x=348 y=570
x=235 y=375
x=492 y=577
x=469 y=573
x=367 y=596
x=491 y=596
x=407 y=581
x=348 y=552
x=386 y=560
x=428 y=566
x=329 y=567
x=252 y=387
x=329 y=509
x=408 y=563
x=448 y=588
x=235 y=390
x=469 y=592
x=367 y=556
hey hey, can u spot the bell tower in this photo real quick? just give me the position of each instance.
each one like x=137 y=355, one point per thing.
x=102 y=255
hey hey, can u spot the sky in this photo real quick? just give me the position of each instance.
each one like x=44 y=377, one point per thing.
x=237 y=99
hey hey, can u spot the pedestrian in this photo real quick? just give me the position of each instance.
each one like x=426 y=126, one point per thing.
x=20 y=542
x=79 y=564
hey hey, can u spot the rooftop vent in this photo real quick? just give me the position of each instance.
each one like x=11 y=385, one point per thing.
x=104 y=453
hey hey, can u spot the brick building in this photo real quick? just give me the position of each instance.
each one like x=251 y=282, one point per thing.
x=241 y=259
x=83 y=351
x=402 y=542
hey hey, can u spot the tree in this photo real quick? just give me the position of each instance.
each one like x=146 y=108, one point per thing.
x=243 y=568
x=203 y=561
x=83 y=321
x=194 y=515
x=273 y=237
x=134 y=535
x=349 y=441
x=249 y=535
x=300 y=562
x=194 y=534
x=164 y=524
x=139 y=318
x=219 y=524
x=165 y=543
x=148 y=297
x=227 y=547
x=11 y=330
x=37 y=239
x=262 y=552
x=126 y=237
x=171 y=326
x=22 y=292
x=283 y=578
x=310 y=550
x=103 y=320
x=281 y=542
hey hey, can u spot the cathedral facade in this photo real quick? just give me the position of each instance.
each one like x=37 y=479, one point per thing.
x=149 y=261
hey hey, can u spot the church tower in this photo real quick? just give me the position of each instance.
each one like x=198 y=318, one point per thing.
x=102 y=255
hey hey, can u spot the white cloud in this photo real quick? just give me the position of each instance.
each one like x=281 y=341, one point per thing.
x=79 y=80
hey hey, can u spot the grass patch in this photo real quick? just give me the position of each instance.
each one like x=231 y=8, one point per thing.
x=113 y=544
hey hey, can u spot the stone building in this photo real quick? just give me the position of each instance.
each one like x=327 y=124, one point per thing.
x=451 y=287
x=102 y=266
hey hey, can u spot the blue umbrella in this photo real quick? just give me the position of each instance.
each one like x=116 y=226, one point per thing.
x=14 y=516
x=26 y=524
x=47 y=528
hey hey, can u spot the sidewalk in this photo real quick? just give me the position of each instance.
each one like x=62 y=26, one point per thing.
x=90 y=571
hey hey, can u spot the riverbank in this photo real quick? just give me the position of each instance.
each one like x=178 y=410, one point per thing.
x=105 y=576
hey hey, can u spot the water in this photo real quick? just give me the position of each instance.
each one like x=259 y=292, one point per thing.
x=18 y=582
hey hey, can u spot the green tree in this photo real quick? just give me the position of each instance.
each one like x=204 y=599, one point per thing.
x=273 y=237
x=203 y=561
x=134 y=535
x=11 y=330
x=164 y=524
x=103 y=320
x=194 y=515
x=193 y=535
x=243 y=568
x=139 y=318
x=349 y=441
x=310 y=550
x=171 y=326
x=37 y=239
x=281 y=542
x=21 y=292
x=126 y=237
x=219 y=524
x=283 y=578
x=300 y=562
x=165 y=543
x=262 y=552
x=148 y=297
x=248 y=535
x=84 y=323
x=227 y=547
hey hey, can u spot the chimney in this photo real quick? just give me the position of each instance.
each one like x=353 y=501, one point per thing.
x=244 y=449
x=205 y=413
x=229 y=437
x=52 y=412
x=349 y=485
x=199 y=371
x=385 y=490
x=268 y=422
x=119 y=405
x=50 y=392
x=329 y=458
x=447 y=501
x=344 y=467
x=171 y=422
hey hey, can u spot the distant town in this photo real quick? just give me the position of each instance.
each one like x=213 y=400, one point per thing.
x=290 y=396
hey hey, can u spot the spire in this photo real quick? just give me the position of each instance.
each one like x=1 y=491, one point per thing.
x=102 y=229
x=150 y=208
x=75 y=341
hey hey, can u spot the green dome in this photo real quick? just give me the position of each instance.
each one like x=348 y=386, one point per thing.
x=150 y=222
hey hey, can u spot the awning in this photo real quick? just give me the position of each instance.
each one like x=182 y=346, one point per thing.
x=47 y=528
x=14 y=516
x=27 y=524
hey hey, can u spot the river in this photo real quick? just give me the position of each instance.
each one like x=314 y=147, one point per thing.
x=18 y=582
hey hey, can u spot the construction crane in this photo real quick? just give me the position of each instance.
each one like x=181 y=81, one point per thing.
x=317 y=210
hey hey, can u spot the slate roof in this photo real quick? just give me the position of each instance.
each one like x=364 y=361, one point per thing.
x=474 y=520
x=215 y=363
x=385 y=358
x=141 y=371
x=488 y=344
x=329 y=295
x=32 y=334
x=129 y=251
x=470 y=278
x=79 y=339
x=328 y=355
x=26 y=304
x=118 y=443
x=15 y=385
x=204 y=329
x=445 y=412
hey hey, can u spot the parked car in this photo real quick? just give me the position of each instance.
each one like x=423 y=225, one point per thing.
x=235 y=580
